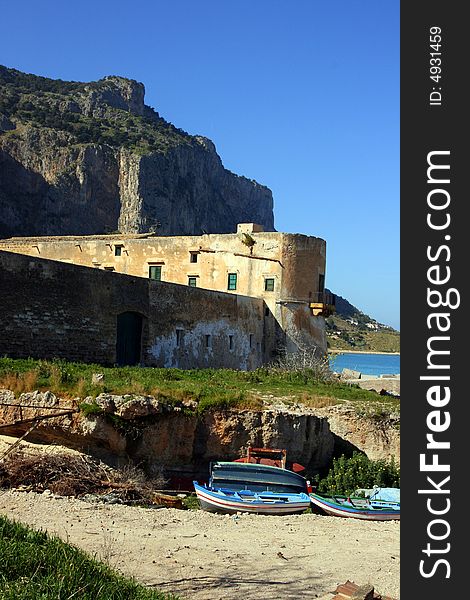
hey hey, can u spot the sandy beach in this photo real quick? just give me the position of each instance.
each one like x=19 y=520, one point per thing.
x=205 y=556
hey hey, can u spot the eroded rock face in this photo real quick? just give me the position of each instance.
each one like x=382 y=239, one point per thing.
x=49 y=186
x=376 y=435
x=178 y=439
x=93 y=158
x=153 y=433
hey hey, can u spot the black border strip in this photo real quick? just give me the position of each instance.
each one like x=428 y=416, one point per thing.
x=433 y=124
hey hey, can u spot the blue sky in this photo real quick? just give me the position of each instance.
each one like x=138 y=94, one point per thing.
x=302 y=96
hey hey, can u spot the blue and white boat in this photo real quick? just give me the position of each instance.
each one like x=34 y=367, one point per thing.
x=356 y=508
x=254 y=488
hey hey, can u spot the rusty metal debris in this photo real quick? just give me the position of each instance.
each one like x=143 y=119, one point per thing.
x=352 y=591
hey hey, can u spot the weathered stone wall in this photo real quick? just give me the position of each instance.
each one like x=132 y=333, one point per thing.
x=292 y=262
x=54 y=309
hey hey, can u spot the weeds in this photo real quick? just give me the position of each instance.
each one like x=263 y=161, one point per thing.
x=307 y=362
x=36 y=565
x=191 y=502
x=90 y=409
x=20 y=382
x=193 y=390
x=314 y=401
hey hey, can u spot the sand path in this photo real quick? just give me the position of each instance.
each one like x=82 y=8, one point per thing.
x=204 y=556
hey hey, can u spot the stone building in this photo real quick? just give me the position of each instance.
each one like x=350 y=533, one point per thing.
x=280 y=276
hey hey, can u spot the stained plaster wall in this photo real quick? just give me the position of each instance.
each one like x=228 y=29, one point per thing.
x=294 y=261
x=56 y=310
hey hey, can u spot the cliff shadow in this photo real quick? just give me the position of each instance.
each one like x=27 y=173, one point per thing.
x=22 y=191
x=342 y=446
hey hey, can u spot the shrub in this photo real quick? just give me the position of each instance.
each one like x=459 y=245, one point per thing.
x=348 y=474
x=305 y=362
x=89 y=409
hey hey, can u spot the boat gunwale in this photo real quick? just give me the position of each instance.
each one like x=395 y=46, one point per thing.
x=233 y=504
x=392 y=508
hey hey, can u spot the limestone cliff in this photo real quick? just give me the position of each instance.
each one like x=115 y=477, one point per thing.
x=178 y=438
x=84 y=158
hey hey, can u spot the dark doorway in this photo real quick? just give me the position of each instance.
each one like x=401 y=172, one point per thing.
x=129 y=338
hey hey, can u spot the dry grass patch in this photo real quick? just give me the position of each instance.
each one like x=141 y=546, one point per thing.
x=19 y=383
x=315 y=401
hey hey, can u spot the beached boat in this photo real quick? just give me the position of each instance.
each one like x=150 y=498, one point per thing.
x=255 y=488
x=260 y=503
x=356 y=508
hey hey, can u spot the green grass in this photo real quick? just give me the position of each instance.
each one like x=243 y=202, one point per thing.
x=191 y=502
x=36 y=566
x=207 y=388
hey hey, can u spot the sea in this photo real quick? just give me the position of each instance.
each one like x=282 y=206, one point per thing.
x=369 y=364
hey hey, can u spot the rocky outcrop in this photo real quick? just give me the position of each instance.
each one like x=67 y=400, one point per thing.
x=48 y=186
x=177 y=438
x=187 y=191
x=85 y=158
x=374 y=432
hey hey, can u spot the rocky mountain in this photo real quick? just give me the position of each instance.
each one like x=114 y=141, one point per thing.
x=83 y=158
x=351 y=329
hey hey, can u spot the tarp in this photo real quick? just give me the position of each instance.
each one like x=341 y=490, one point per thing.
x=377 y=493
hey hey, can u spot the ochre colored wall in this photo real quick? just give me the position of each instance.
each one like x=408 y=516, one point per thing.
x=294 y=261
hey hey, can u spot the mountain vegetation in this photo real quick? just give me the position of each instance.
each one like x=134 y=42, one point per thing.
x=82 y=158
x=87 y=113
x=351 y=329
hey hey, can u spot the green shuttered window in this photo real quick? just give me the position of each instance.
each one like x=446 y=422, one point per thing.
x=232 y=281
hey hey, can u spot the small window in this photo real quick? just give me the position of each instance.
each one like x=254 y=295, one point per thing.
x=193 y=257
x=179 y=337
x=251 y=340
x=192 y=281
x=155 y=272
x=232 y=281
x=230 y=342
x=269 y=285
x=108 y=268
x=208 y=340
x=117 y=250
x=266 y=311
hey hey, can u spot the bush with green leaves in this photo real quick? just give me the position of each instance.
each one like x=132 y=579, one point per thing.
x=348 y=474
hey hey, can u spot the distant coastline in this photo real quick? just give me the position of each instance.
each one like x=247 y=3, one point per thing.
x=345 y=351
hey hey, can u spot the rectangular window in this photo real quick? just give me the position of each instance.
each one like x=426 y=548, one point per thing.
x=251 y=340
x=192 y=281
x=269 y=285
x=208 y=341
x=232 y=281
x=155 y=272
x=108 y=268
x=179 y=337
x=193 y=257
x=321 y=283
x=230 y=342
x=117 y=250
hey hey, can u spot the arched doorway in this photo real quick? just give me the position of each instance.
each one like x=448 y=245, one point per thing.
x=129 y=338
